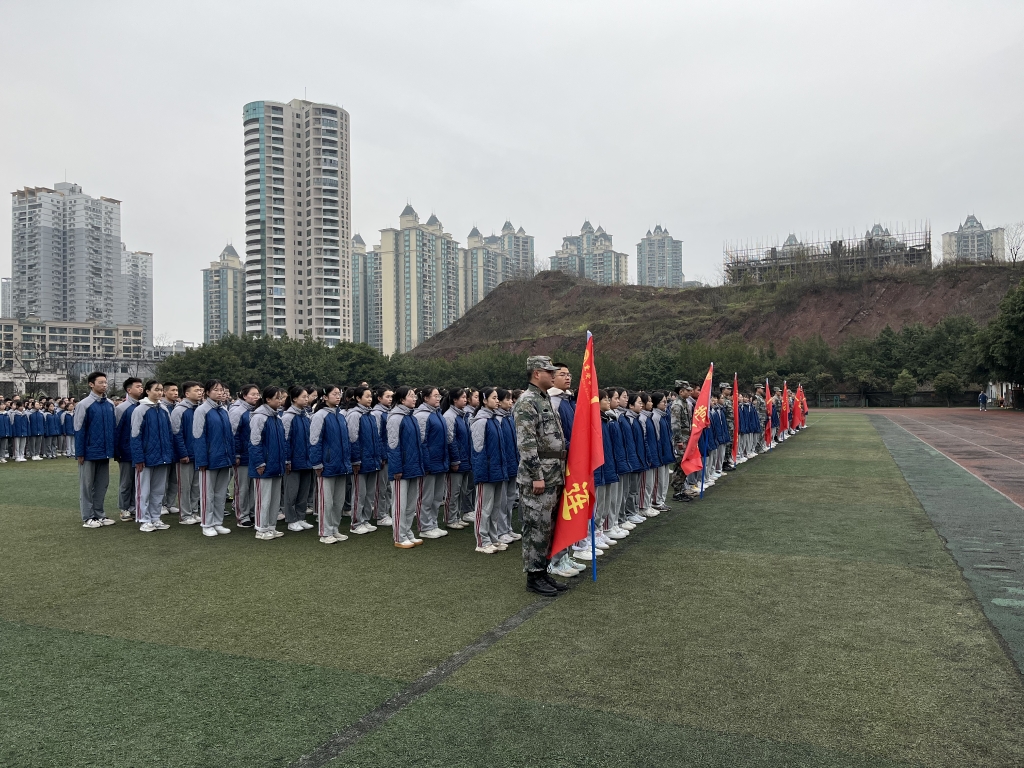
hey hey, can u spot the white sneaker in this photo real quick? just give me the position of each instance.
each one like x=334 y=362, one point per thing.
x=370 y=527
x=627 y=526
x=305 y=526
x=188 y=520
x=37 y=458
x=506 y=538
x=161 y=526
x=516 y=536
x=21 y=459
x=323 y=539
x=175 y=510
x=147 y=527
x=309 y=510
x=469 y=517
x=164 y=510
x=107 y=521
x=280 y=517
x=486 y=550
x=295 y=527
x=360 y=529
x=606 y=541
x=636 y=519
x=650 y=512
x=267 y=536
x=3 y=461
x=386 y=521
x=220 y=529
x=582 y=554
x=340 y=537
x=433 y=533
x=92 y=523
x=500 y=546
x=209 y=531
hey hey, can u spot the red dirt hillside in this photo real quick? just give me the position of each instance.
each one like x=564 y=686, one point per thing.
x=553 y=311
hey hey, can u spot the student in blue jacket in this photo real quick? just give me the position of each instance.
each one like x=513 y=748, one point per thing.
x=268 y=459
x=239 y=413
x=382 y=497
x=666 y=457
x=632 y=440
x=54 y=431
x=649 y=476
x=459 y=483
x=123 y=447
x=489 y=471
x=152 y=453
x=299 y=475
x=367 y=451
x=436 y=461
x=94 y=448
x=36 y=430
x=69 y=429
x=405 y=466
x=6 y=427
x=214 y=447
x=511 y=452
x=331 y=456
x=19 y=431
x=184 y=452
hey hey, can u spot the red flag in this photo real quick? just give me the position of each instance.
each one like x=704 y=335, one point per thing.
x=735 y=415
x=768 y=421
x=784 y=419
x=586 y=453
x=801 y=411
x=692 y=460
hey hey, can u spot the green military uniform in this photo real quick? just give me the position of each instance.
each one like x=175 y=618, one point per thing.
x=681 y=418
x=762 y=414
x=542 y=455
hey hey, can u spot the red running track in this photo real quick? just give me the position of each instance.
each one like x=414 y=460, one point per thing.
x=988 y=444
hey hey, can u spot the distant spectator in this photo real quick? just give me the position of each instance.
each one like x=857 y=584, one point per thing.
x=982 y=402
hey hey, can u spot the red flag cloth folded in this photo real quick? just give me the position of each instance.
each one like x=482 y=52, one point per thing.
x=586 y=453
x=768 y=421
x=735 y=415
x=692 y=460
x=784 y=418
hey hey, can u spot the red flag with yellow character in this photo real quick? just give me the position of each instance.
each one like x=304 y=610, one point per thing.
x=692 y=460
x=586 y=453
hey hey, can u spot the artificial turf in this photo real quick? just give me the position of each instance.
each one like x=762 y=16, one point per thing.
x=804 y=613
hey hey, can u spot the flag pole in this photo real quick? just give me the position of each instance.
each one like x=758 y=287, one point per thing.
x=593 y=550
x=704 y=464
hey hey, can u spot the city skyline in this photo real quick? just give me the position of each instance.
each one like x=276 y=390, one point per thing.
x=697 y=164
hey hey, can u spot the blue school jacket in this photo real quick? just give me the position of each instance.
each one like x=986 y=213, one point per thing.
x=181 y=427
x=296 y=430
x=52 y=424
x=651 y=447
x=151 y=439
x=404 y=449
x=123 y=429
x=268 y=447
x=488 y=456
x=36 y=423
x=434 y=440
x=606 y=474
x=507 y=424
x=19 y=425
x=364 y=436
x=330 y=448
x=460 y=447
x=212 y=439
x=94 y=429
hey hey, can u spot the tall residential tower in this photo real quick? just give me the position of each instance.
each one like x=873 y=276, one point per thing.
x=590 y=254
x=659 y=260
x=297 y=220
x=223 y=296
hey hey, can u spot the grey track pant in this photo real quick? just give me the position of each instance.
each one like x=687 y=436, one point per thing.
x=603 y=496
x=613 y=507
x=150 y=486
x=126 y=486
x=330 y=499
x=171 y=492
x=647 y=480
x=489 y=500
x=632 y=494
x=431 y=494
x=213 y=490
x=457 y=488
x=19 y=447
x=405 y=496
x=93 y=479
x=662 y=487
x=188 y=489
x=382 y=500
x=35 y=443
x=3 y=444
x=364 y=497
x=296 y=491
x=267 y=501
x=243 y=495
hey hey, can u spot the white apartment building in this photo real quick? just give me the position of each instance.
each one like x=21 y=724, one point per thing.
x=298 y=220
x=68 y=262
x=972 y=242
x=590 y=254
x=223 y=296
x=659 y=260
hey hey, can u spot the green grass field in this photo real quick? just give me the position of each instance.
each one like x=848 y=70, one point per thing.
x=804 y=614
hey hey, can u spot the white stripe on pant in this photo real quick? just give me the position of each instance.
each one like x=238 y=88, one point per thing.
x=330 y=501
x=267 y=502
x=489 y=501
x=213 y=491
x=405 y=496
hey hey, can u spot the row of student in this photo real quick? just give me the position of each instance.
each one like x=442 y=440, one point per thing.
x=33 y=430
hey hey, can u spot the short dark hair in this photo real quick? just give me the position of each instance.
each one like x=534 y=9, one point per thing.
x=170 y=384
x=211 y=384
x=150 y=384
x=131 y=380
x=95 y=375
x=187 y=385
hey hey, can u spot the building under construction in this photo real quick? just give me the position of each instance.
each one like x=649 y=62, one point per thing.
x=878 y=249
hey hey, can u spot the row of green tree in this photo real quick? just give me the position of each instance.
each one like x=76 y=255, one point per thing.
x=953 y=354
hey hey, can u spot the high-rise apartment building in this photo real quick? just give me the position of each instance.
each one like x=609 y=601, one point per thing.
x=298 y=219
x=223 y=297
x=518 y=249
x=590 y=255
x=482 y=266
x=6 y=305
x=972 y=242
x=69 y=264
x=419 y=281
x=366 y=295
x=659 y=260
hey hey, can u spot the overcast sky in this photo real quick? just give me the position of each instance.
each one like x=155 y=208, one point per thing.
x=721 y=121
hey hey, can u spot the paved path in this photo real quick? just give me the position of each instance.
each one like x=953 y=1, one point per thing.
x=989 y=445
x=969 y=502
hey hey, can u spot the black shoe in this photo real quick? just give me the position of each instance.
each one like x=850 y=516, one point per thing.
x=535 y=582
x=561 y=586
x=728 y=467
x=246 y=523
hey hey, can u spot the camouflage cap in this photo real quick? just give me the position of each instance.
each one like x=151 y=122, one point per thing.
x=682 y=384
x=758 y=384
x=540 y=363
x=725 y=385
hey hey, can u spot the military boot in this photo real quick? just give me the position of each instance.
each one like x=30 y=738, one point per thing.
x=560 y=586
x=536 y=581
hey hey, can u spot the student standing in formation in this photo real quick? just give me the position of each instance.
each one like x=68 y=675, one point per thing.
x=94 y=448
x=663 y=433
x=170 y=399
x=37 y=430
x=69 y=429
x=6 y=427
x=19 y=431
x=239 y=413
x=405 y=466
x=490 y=471
x=436 y=462
x=53 y=431
x=460 y=478
x=299 y=475
x=649 y=477
x=123 y=448
x=331 y=457
x=188 y=478
x=268 y=459
x=382 y=496
x=215 y=455
x=507 y=425
x=153 y=453
x=367 y=450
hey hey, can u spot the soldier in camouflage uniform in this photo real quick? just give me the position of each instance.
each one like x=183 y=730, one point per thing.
x=725 y=397
x=762 y=414
x=680 y=417
x=541 y=476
